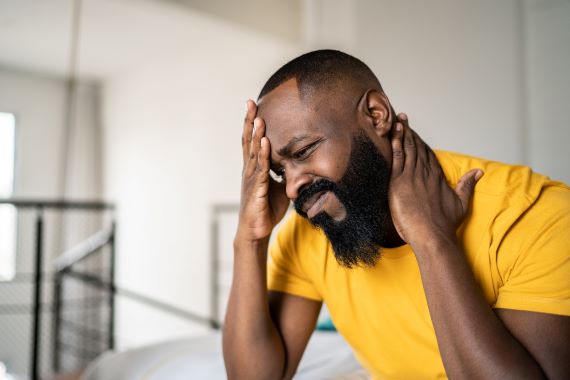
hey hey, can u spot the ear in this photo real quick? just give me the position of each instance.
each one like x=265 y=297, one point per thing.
x=375 y=106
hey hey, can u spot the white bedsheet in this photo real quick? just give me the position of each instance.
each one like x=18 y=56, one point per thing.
x=327 y=357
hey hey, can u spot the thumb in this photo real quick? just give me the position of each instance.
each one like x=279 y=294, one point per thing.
x=466 y=185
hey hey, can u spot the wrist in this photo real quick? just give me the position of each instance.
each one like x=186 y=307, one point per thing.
x=434 y=242
x=242 y=241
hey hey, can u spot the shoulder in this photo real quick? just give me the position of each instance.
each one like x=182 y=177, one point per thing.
x=534 y=256
x=554 y=199
x=548 y=218
x=500 y=179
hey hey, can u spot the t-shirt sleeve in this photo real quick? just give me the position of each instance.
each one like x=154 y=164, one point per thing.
x=285 y=272
x=537 y=277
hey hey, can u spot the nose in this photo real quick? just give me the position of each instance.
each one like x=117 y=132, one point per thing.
x=296 y=181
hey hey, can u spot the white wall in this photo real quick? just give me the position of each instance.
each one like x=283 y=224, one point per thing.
x=83 y=164
x=487 y=78
x=172 y=130
x=548 y=86
x=38 y=103
x=452 y=66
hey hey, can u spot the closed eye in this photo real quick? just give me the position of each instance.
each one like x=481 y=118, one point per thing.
x=278 y=174
x=306 y=151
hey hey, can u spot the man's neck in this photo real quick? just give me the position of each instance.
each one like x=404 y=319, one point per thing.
x=393 y=239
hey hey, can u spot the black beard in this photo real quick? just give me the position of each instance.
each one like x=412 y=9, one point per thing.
x=363 y=191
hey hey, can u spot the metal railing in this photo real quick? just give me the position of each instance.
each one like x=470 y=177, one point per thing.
x=71 y=303
x=46 y=228
x=64 y=266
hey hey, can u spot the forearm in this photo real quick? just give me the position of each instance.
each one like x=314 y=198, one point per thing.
x=472 y=340
x=252 y=346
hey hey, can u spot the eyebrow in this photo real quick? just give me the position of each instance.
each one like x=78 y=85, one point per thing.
x=288 y=148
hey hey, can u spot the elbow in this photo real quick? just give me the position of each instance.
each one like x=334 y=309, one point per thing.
x=246 y=362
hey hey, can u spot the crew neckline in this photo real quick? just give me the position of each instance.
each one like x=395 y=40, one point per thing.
x=397 y=252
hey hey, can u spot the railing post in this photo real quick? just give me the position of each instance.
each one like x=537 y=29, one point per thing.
x=37 y=295
x=58 y=307
x=112 y=289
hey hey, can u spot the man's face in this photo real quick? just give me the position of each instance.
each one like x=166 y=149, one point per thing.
x=334 y=173
x=363 y=192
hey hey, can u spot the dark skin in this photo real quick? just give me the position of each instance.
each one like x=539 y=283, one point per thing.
x=265 y=334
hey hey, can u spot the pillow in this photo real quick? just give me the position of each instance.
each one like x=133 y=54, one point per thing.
x=325 y=323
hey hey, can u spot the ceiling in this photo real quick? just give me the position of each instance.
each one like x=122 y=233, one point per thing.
x=117 y=34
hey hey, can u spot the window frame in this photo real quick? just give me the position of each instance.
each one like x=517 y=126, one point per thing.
x=8 y=213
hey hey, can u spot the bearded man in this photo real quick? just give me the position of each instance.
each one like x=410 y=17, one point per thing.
x=432 y=264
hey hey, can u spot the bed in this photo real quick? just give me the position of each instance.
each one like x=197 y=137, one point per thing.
x=327 y=357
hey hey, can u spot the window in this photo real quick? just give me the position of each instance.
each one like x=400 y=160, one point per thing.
x=7 y=212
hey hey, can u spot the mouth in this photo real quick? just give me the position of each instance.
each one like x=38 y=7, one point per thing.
x=314 y=204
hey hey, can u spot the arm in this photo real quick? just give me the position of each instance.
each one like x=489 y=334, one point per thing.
x=474 y=341
x=264 y=334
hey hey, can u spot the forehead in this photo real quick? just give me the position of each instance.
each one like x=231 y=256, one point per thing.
x=287 y=115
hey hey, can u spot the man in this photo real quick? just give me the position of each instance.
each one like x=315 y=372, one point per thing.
x=431 y=264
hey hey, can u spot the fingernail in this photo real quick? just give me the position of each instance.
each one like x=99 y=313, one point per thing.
x=403 y=116
x=398 y=127
x=479 y=174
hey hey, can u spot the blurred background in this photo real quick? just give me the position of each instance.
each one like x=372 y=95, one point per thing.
x=139 y=103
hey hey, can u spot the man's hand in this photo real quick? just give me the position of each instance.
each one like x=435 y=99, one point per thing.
x=265 y=333
x=472 y=340
x=263 y=201
x=423 y=205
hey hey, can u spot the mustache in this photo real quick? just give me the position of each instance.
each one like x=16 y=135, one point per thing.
x=312 y=189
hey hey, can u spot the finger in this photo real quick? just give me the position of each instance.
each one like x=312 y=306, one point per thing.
x=263 y=156
x=434 y=163
x=409 y=138
x=426 y=163
x=422 y=162
x=251 y=111
x=430 y=156
x=466 y=186
x=254 y=146
x=404 y=119
x=410 y=148
x=397 y=150
x=258 y=133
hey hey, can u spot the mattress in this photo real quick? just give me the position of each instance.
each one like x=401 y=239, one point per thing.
x=327 y=356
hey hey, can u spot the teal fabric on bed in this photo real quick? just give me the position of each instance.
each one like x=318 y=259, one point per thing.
x=326 y=325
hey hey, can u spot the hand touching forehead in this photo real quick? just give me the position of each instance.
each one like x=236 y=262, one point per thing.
x=307 y=141
x=290 y=117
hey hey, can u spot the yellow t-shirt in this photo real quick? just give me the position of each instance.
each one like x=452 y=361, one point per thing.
x=516 y=239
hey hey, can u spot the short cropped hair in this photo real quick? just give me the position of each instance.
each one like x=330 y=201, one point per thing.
x=322 y=69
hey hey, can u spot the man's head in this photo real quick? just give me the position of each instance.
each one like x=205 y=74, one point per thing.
x=329 y=122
